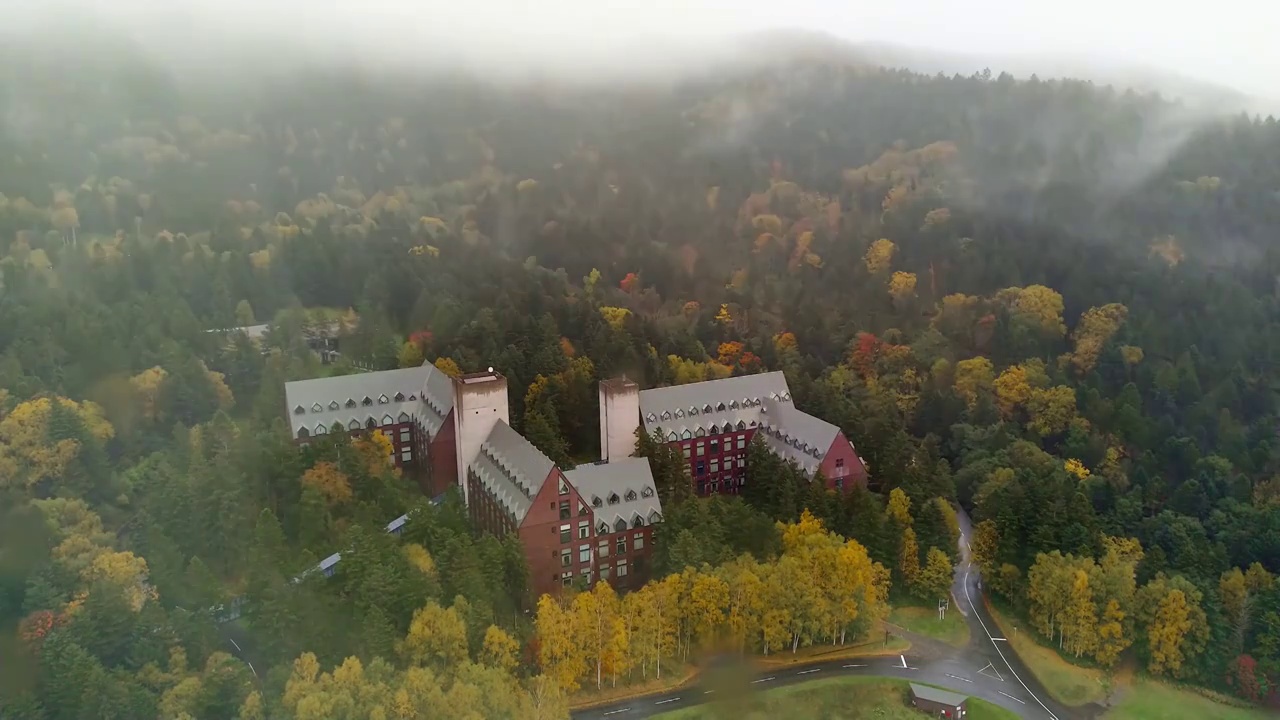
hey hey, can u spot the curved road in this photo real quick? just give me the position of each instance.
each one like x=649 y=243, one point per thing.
x=986 y=668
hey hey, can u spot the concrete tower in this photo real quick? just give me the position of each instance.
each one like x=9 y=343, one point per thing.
x=619 y=418
x=479 y=402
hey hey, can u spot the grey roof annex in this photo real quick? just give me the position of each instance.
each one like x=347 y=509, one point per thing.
x=797 y=435
x=711 y=403
x=622 y=493
x=380 y=398
x=938 y=695
x=511 y=469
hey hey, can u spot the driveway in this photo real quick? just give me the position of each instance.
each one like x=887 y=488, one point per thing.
x=986 y=668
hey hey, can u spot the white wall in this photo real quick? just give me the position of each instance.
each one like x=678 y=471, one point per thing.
x=478 y=404
x=619 y=418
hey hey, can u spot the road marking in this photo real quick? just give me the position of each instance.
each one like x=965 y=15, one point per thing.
x=806 y=672
x=615 y=712
x=849 y=666
x=992 y=668
x=957 y=677
x=233 y=642
x=999 y=639
x=707 y=692
x=978 y=615
x=1012 y=697
x=664 y=702
x=255 y=672
x=753 y=682
x=904 y=660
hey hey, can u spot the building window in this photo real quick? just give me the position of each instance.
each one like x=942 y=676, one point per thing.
x=622 y=568
x=637 y=541
x=687 y=452
x=367 y=401
x=586 y=575
x=621 y=549
x=604 y=573
x=582 y=509
x=564 y=487
x=728 y=463
x=564 y=509
x=742 y=442
x=406 y=455
x=584 y=529
x=715 y=465
x=565 y=534
x=713 y=485
x=566 y=558
x=701 y=467
x=839 y=462
x=566 y=579
x=584 y=553
x=602 y=549
x=404 y=435
x=715 y=447
x=840 y=483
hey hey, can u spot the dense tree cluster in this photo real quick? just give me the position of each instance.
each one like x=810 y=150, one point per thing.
x=1045 y=300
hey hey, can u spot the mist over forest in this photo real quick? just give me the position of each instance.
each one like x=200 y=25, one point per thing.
x=1046 y=301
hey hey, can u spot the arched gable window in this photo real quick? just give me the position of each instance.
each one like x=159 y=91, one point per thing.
x=404 y=417
x=303 y=432
x=371 y=423
x=720 y=407
x=742 y=425
x=399 y=397
x=383 y=400
x=700 y=433
x=333 y=405
x=671 y=436
x=321 y=429
x=367 y=401
x=620 y=526
x=316 y=408
x=353 y=425
x=386 y=420
x=686 y=434
x=299 y=410
x=637 y=521
x=351 y=403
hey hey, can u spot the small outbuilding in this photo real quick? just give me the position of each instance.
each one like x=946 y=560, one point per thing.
x=939 y=703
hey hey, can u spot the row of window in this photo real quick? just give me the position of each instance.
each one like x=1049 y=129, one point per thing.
x=686 y=434
x=602 y=549
x=354 y=424
x=584 y=527
x=566 y=578
x=350 y=403
x=719 y=407
x=700 y=448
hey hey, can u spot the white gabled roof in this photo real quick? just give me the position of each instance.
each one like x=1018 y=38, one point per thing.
x=629 y=477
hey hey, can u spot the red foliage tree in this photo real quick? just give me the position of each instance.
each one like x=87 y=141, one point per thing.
x=749 y=362
x=1242 y=674
x=866 y=348
x=630 y=283
x=422 y=338
x=35 y=627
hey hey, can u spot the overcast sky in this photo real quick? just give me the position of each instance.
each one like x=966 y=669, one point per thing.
x=1232 y=42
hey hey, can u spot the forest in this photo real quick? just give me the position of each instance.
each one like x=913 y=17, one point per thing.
x=1043 y=300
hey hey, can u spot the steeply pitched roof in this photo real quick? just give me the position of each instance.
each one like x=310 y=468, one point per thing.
x=946 y=697
x=731 y=401
x=600 y=483
x=324 y=401
x=797 y=435
x=511 y=469
x=435 y=398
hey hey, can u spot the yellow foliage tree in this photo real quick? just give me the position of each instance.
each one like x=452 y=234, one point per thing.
x=125 y=571
x=973 y=377
x=436 y=635
x=559 y=654
x=146 y=385
x=1076 y=468
x=374 y=450
x=879 y=256
x=447 y=366
x=331 y=482
x=899 y=507
x=1038 y=306
x=933 y=582
x=909 y=557
x=419 y=559
x=615 y=316
x=499 y=649
x=1097 y=326
x=902 y=285
x=1131 y=355
x=724 y=316
x=1052 y=410
x=410 y=355
x=27 y=454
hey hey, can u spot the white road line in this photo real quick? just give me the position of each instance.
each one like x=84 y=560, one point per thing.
x=615 y=712
x=1000 y=639
x=978 y=615
x=664 y=702
x=1012 y=697
x=255 y=672
x=904 y=660
x=806 y=672
x=849 y=666
x=957 y=677
x=233 y=642
x=707 y=692
x=753 y=682
x=993 y=669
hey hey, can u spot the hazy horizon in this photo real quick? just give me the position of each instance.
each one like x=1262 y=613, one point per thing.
x=1204 y=43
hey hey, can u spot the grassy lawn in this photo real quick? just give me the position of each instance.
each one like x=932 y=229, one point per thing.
x=1068 y=684
x=1149 y=700
x=672 y=677
x=872 y=647
x=924 y=621
x=851 y=698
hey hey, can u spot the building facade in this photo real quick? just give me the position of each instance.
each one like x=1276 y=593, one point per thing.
x=449 y=432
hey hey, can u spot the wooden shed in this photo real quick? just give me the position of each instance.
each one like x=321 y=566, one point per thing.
x=939 y=703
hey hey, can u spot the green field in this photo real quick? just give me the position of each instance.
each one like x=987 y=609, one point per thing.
x=851 y=698
x=1150 y=700
x=924 y=621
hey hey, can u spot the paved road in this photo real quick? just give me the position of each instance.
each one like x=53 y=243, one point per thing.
x=986 y=668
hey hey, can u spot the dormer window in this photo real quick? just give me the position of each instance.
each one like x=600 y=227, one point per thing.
x=321 y=429
x=700 y=433
x=651 y=417
x=383 y=399
x=404 y=418
x=637 y=521
x=720 y=407
x=564 y=487
x=299 y=410
x=316 y=408
x=671 y=436
x=655 y=517
x=371 y=423
x=367 y=401
x=303 y=432
x=679 y=413
x=603 y=529
x=399 y=397
x=715 y=429
x=386 y=420
x=350 y=403
x=666 y=415
x=631 y=495
x=755 y=401
x=733 y=404
x=613 y=498
x=412 y=398
x=786 y=396
x=646 y=492
x=620 y=526
x=686 y=435
x=706 y=408
x=596 y=502
x=353 y=425
x=693 y=411
x=333 y=405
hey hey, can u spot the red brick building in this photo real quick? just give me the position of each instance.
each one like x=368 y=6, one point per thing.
x=591 y=523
